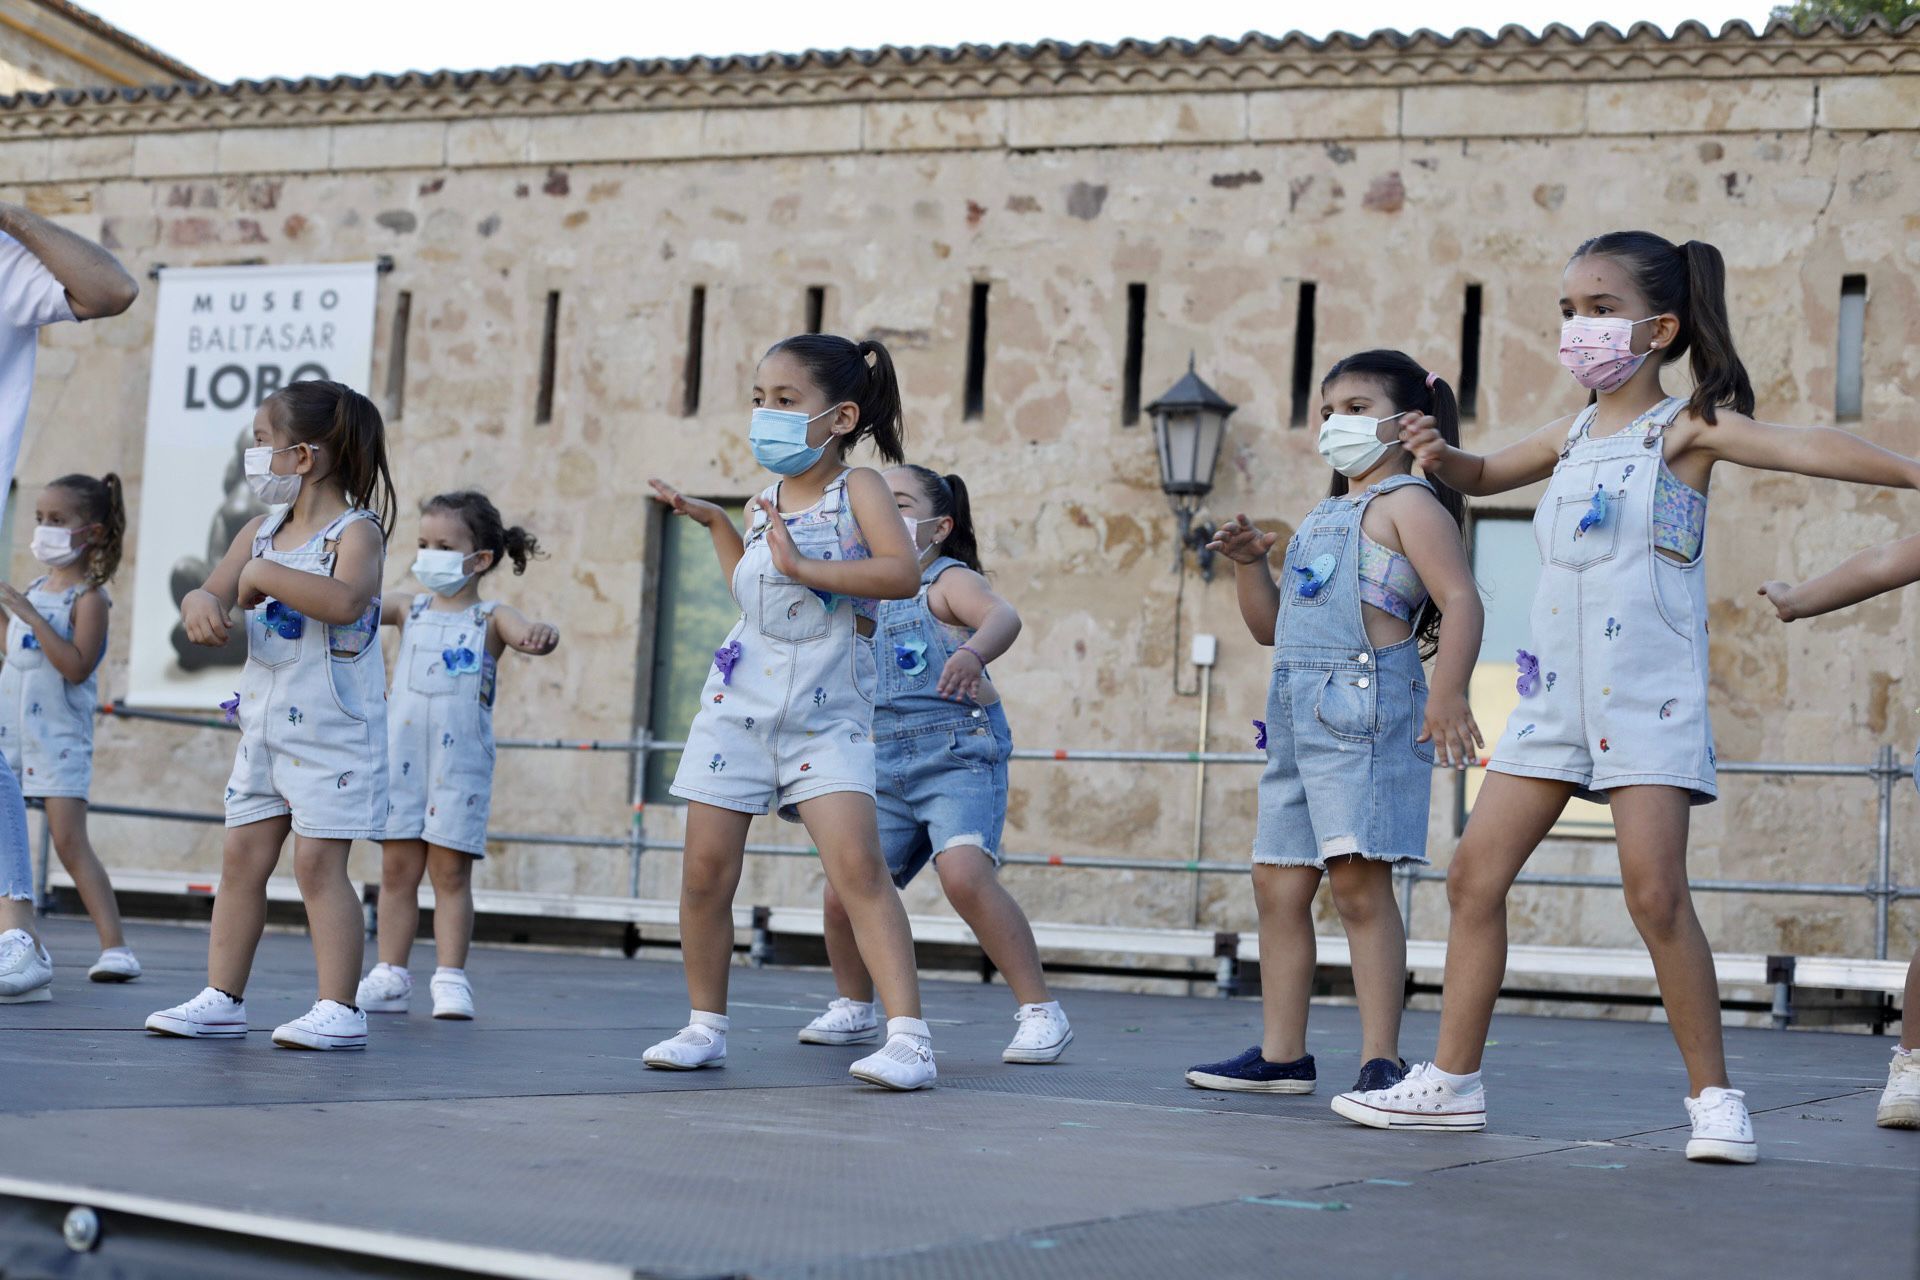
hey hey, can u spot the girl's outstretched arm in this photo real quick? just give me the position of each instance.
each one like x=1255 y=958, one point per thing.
x=204 y=611
x=1526 y=460
x=726 y=539
x=891 y=571
x=394 y=609
x=74 y=659
x=517 y=632
x=337 y=600
x=1432 y=542
x=1827 y=453
x=963 y=598
x=1861 y=576
x=1239 y=541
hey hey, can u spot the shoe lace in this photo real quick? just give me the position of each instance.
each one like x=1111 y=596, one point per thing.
x=842 y=1012
x=12 y=945
x=208 y=999
x=1725 y=1107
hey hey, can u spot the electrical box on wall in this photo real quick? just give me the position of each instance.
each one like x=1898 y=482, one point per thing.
x=1205 y=650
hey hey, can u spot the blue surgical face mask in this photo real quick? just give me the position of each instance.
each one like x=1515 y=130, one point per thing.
x=779 y=438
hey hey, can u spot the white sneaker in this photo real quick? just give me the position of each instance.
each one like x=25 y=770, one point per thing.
x=845 y=1022
x=905 y=1061
x=1421 y=1101
x=1043 y=1035
x=26 y=970
x=1900 y=1104
x=208 y=1016
x=328 y=1025
x=1722 y=1130
x=385 y=989
x=452 y=996
x=116 y=964
x=698 y=1045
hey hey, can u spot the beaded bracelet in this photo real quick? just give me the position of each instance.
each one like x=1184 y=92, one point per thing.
x=967 y=648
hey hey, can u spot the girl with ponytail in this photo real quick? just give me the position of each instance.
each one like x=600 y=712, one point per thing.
x=1613 y=681
x=1375 y=581
x=311 y=705
x=440 y=741
x=49 y=687
x=942 y=744
x=786 y=715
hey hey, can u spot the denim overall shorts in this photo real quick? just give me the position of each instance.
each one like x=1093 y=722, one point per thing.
x=46 y=724
x=440 y=728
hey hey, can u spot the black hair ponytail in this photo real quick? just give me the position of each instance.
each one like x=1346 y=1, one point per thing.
x=105 y=505
x=490 y=533
x=1688 y=281
x=947 y=496
x=347 y=426
x=840 y=368
x=1412 y=390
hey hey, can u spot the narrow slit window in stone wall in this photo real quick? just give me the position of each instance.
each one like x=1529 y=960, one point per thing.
x=397 y=356
x=549 y=353
x=1468 y=388
x=816 y=308
x=976 y=394
x=1303 y=356
x=1136 y=343
x=696 y=339
x=1853 y=334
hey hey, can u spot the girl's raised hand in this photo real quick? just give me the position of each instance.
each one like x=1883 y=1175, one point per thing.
x=697 y=510
x=18 y=605
x=202 y=617
x=960 y=678
x=541 y=638
x=1422 y=439
x=1239 y=541
x=786 y=557
x=1450 y=727
x=1780 y=596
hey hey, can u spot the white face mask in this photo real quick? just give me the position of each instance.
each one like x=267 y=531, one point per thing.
x=273 y=489
x=442 y=572
x=913 y=532
x=54 y=546
x=1351 y=444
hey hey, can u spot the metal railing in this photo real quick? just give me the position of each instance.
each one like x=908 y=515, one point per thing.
x=1885 y=772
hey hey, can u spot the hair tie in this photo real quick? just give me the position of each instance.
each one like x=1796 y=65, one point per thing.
x=1431 y=379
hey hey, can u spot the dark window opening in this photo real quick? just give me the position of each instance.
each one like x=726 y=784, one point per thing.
x=397 y=356
x=976 y=396
x=1136 y=343
x=549 y=354
x=696 y=340
x=1853 y=336
x=1303 y=356
x=816 y=308
x=1468 y=390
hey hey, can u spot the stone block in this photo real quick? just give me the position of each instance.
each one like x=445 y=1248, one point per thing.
x=614 y=135
x=1147 y=119
x=1493 y=111
x=25 y=160
x=1285 y=115
x=934 y=126
x=176 y=155
x=412 y=144
x=1870 y=102
x=102 y=156
x=487 y=142
x=1700 y=106
x=289 y=149
x=772 y=131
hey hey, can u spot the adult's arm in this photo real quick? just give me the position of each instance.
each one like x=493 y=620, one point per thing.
x=97 y=285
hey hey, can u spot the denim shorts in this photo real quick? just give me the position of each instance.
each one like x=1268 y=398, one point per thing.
x=942 y=786
x=16 y=865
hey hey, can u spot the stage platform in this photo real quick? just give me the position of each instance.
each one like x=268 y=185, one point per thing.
x=532 y=1142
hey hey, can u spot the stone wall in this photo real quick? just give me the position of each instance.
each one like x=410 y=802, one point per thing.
x=1390 y=174
x=53 y=46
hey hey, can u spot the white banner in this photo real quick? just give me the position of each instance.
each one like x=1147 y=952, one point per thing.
x=224 y=339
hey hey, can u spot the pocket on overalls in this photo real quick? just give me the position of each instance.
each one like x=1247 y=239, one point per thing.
x=1422 y=750
x=789 y=611
x=866 y=673
x=273 y=633
x=348 y=679
x=1575 y=548
x=1312 y=564
x=973 y=748
x=907 y=656
x=1346 y=705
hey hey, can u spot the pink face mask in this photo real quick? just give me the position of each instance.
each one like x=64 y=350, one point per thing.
x=1597 y=351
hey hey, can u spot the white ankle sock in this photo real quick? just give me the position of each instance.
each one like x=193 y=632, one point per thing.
x=715 y=1022
x=913 y=1028
x=1459 y=1084
x=444 y=972
x=396 y=968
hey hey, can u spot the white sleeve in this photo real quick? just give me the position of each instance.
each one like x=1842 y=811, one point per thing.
x=30 y=296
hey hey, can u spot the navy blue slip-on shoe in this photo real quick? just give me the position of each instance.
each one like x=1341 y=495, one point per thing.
x=1380 y=1073
x=1251 y=1073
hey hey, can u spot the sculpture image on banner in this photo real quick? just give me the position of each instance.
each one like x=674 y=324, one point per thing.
x=224 y=339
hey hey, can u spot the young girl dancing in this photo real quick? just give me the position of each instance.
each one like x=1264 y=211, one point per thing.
x=1375 y=580
x=942 y=745
x=786 y=716
x=311 y=706
x=440 y=742
x=1861 y=577
x=1613 y=684
x=49 y=688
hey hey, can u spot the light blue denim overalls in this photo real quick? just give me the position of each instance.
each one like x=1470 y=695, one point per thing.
x=1344 y=773
x=46 y=724
x=941 y=764
x=787 y=711
x=440 y=728
x=312 y=708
